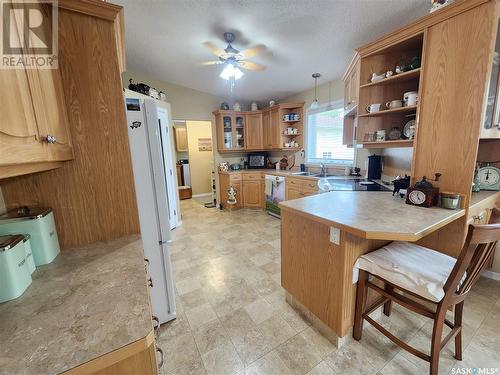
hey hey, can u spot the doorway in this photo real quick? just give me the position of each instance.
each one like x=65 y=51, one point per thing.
x=195 y=160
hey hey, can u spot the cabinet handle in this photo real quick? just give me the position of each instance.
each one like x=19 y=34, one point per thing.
x=146 y=264
x=162 y=357
x=156 y=325
x=150 y=282
x=50 y=139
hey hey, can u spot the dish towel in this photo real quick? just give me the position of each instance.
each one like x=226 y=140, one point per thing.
x=268 y=187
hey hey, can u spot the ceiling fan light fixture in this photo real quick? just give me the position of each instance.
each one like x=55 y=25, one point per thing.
x=231 y=71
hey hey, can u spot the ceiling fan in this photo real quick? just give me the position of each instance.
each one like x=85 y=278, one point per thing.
x=233 y=60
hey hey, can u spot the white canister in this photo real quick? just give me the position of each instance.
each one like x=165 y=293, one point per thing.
x=410 y=98
x=380 y=135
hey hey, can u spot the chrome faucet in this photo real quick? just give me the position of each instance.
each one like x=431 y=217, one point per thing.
x=323 y=170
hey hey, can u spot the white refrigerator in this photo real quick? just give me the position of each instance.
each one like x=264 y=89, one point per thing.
x=149 y=129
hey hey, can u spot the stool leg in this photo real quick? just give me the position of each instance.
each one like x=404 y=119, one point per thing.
x=360 y=305
x=459 y=308
x=437 y=333
x=388 y=304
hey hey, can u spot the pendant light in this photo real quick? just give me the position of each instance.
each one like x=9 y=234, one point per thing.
x=315 y=103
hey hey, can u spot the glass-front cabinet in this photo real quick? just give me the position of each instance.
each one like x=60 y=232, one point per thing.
x=231 y=130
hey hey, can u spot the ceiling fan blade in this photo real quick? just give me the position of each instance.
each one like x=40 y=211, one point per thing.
x=214 y=49
x=251 y=65
x=212 y=62
x=253 y=51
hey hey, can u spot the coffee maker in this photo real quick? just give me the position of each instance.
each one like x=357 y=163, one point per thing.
x=374 y=168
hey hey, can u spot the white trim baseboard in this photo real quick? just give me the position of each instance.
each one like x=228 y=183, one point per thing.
x=491 y=275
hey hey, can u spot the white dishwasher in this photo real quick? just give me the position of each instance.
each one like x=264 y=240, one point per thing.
x=275 y=193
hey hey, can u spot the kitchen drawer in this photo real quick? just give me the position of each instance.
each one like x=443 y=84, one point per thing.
x=293 y=181
x=309 y=184
x=252 y=176
x=235 y=177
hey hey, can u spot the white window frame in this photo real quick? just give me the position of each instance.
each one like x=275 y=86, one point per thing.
x=325 y=107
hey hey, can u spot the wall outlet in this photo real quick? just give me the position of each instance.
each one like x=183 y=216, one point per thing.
x=335 y=235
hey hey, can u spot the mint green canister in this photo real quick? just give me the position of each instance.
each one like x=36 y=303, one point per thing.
x=15 y=276
x=29 y=253
x=39 y=223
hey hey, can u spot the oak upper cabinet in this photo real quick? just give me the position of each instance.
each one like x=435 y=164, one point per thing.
x=274 y=140
x=181 y=140
x=272 y=128
x=19 y=134
x=231 y=133
x=266 y=129
x=254 y=132
x=351 y=83
x=50 y=112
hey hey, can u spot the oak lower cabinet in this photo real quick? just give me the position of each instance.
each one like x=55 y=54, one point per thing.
x=253 y=190
x=225 y=181
x=300 y=188
x=254 y=133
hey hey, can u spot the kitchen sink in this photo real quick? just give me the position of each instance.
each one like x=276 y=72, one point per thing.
x=304 y=174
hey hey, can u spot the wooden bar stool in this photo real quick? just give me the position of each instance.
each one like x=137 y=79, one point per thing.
x=407 y=269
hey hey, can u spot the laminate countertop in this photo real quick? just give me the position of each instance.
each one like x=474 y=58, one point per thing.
x=88 y=302
x=372 y=215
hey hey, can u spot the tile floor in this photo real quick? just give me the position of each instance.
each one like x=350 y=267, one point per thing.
x=233 y=318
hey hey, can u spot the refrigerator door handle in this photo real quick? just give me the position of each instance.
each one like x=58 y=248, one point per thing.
x=163 y=242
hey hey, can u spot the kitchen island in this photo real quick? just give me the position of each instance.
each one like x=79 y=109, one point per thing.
x=323 y=235
x=87 y=312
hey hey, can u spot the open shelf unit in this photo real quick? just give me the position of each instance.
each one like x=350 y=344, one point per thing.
x=386 y=144
x=386 y=90
x=405 y=76
x=287 y=109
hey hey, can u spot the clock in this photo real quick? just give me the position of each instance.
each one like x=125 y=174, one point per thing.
x=417 y=197
x=489 y=178
x=423 y=194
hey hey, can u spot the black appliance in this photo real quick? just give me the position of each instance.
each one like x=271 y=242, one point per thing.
x=356 y=184
x=401 y=184
x=257 y=160
x=374 y=167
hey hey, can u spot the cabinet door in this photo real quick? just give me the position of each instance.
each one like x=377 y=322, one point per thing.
x=266 y=129
x=293 y=193
x=239 y=134
x=254 y=131
x=251 y=194
x=50 y=112
x=225 y=141
x=181 y=140
x=20 y=139
x=275 y=129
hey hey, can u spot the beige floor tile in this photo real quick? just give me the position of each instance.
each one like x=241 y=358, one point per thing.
x=251 y=345
x=200 y=315
x=318 y=342
x=260 y=310
x=187 y=285
x=193 y=299
x=401 y=366
x=194 y=368
x=270 y=364
x=237 y=323
x=298 y=356
x=177 y=327
x=223 y=360
x=350 y=360
x=210 y=336
x=180 y=351
x=295 y=319
x=321 y=369
x=276 y=330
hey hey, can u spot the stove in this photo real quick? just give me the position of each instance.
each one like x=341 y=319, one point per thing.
x=361 y=184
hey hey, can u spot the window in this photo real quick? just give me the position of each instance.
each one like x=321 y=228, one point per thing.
x=324 y=136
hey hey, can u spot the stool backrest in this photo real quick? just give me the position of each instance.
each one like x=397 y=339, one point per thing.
x=480 y=243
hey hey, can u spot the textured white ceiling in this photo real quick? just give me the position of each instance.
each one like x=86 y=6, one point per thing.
x=165 y=39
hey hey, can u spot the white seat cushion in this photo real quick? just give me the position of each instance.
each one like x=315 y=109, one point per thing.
x=415 y=268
